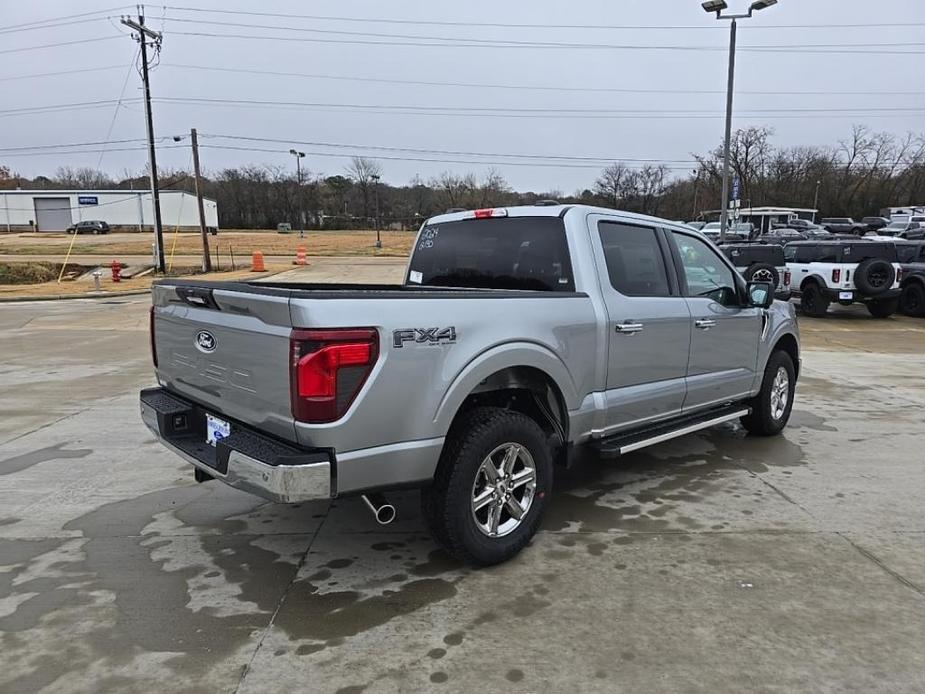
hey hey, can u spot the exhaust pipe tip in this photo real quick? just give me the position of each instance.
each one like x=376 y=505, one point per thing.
x=382 y=510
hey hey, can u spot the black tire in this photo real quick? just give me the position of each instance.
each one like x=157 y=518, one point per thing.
x=764 y=419
x=912 y=300
x=813 y=302
x=765 y=273
x=447 y=503
x=882 y=308
x=874 y=276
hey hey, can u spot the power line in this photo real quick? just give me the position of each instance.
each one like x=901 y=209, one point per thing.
x=551 y=88
x=71 y=145
x=530 y=44
x=521 y=112
x=61 y=107
x=438 y=151
x=443 y=42
x=60 y=44
x=501 y=25
x=65 y=17
x=59 y=73
x=52 y=26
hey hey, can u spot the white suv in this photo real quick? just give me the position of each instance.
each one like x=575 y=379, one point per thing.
x=846 y=271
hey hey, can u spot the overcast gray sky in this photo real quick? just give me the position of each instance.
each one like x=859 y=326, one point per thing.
x=630 y=103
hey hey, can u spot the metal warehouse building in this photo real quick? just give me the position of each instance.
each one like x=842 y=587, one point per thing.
x=123 y=210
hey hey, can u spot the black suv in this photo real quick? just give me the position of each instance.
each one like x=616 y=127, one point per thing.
x=912 y=260
x=89 y=227
x=761 y=262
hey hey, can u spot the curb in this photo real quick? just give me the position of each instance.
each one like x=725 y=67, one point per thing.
x=109 y=295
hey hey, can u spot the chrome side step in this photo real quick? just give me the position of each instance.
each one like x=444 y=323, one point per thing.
x=616 y=446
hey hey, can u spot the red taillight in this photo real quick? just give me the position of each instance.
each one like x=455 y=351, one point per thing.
x=899 y=275
x=328 y=368
x=787 y=277
x=151 y=336
x=836 y=274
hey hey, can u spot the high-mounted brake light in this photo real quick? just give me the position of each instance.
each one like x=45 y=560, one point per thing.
x=486 y=213
x=327 y=370
x=836 y=274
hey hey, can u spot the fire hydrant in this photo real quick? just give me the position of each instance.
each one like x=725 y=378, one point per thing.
x=116 y=271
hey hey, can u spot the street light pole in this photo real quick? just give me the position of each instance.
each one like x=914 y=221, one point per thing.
x=298 y=172
x=816 y=201
x=718 y=6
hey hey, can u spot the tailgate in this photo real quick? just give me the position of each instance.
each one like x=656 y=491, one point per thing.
x=227 y=349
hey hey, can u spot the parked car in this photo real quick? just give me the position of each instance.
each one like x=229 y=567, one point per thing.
x=843 y=225
x=519 y=337
x=89 y=227
x=734 y=232
x=875 y=223
x=912 y=260
x=802 y=225
x=849 y=271
x=781 y=236
x=903 y=230
x=761 y=262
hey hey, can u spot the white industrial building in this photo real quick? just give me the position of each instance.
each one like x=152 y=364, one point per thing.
x=123 y=210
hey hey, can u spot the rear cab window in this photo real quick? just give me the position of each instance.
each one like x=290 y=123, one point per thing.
x=525 y=253
x=635 y=259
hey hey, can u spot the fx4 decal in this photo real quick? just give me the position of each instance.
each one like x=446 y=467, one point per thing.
x=424 y=336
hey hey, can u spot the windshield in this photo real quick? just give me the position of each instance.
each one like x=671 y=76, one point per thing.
x=529 y=253
x=898 y=226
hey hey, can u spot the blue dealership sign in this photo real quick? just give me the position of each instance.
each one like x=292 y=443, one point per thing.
x=735 y=188
x=88 y=200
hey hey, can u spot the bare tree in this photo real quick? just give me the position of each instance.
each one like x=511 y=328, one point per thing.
x=610 y=185
x=362 y=171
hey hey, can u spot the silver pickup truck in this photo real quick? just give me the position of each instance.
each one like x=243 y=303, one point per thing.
x=520 y=337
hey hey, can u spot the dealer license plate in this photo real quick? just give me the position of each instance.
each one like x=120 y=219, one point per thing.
x=846 y=295
x=216 y=429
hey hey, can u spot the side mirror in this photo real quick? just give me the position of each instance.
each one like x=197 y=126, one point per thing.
x=760 y=294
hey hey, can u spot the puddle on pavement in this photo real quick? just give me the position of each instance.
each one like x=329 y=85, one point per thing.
x=22 y=462
x=138 y=604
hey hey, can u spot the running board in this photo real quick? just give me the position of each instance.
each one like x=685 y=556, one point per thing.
x=621 y=444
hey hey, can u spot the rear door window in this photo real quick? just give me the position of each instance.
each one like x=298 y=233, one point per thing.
x=528 y=253
x=635 y=261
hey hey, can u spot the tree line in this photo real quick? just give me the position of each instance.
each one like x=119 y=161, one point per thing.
x=858 y=176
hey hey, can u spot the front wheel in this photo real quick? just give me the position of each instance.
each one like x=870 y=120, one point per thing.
x=882 y=308
x=491 y=488
x=772 y=406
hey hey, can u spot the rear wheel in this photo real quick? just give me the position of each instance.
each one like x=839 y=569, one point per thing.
x=882 y=308
x=912 y=300
x=763 y=272
x=491 y=487
x=771 y=407
x=813 y=302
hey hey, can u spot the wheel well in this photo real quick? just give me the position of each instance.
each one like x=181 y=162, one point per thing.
x=913 y=279
x=808 y=281
x=788 y=344
x=527 y=390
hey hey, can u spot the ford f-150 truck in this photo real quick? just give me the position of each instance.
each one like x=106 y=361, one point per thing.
x=519 y=337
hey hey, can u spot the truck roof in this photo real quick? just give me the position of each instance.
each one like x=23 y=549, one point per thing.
x=556 y=211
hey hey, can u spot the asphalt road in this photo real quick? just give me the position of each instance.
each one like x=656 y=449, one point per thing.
x=712 y=563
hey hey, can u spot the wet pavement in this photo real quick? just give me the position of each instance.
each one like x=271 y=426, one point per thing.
x=712 y=563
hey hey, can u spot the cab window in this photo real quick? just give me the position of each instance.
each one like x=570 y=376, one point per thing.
x=634 y=259
x=705 y=273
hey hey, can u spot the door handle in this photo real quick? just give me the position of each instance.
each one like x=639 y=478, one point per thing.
x=705 y=323
x=629 y=328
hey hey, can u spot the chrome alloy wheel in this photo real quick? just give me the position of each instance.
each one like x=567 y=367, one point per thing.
x=503 y=490
x=763 y=276
x=780 y=393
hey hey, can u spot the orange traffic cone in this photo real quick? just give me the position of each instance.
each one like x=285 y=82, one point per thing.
x=300 y=256
x=257 y=262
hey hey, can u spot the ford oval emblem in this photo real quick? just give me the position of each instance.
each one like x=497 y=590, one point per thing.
x=205 y=341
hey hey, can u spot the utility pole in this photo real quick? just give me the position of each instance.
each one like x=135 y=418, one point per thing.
x=375 y=178
x=206 y=257
x=816 y=201
x=143 y=35
x=298 y=172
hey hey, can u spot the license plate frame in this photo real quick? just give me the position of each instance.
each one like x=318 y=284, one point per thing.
x=216 y=429
x=845 y=296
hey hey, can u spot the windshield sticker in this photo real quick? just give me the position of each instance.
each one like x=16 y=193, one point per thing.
x=415 y=277
x=428 y=237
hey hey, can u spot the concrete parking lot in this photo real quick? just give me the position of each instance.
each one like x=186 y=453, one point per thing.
x=712 y=563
